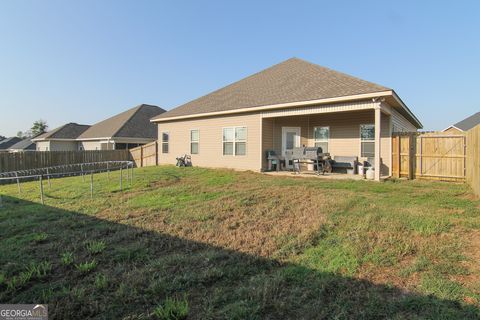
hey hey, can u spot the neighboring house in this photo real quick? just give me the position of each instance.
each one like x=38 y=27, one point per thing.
x=291 y=104
x=60 y=139
x=23 y=145
x=126 y=130
x=464 y=125
x=5 y=144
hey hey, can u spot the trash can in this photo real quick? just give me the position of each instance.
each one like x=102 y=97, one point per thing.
x=361 y=170
x=370 y=173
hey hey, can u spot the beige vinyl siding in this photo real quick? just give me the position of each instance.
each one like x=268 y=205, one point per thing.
x=400 y=123
x=386 y=145
x=210 y=143
x=90 y=145
x=344 y=137
x=268 y=127
x=56 y=145
x=43 y=145
x=324 y=108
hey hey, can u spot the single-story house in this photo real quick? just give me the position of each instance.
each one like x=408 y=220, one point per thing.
x=464 y=125
x=288 y=105
x=23 y=145
x=5 y=144
x=126 y=130
x=63 y=138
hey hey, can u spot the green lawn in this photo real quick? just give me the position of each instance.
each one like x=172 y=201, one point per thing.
x=220 y=244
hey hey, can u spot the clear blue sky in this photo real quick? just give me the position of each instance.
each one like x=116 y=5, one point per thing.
x=82 y=61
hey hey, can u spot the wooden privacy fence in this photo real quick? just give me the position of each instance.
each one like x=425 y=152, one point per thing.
x=428 y=156
x=39 y=159
x=146 y=155
x=473 y=159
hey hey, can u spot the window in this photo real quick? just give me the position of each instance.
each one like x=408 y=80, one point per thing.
x=320 y=137
x=165 y=138
x=367 y=137
x=194 y=139
x=235 y=141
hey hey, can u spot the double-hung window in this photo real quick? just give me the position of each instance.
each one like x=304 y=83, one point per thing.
x=194 y=141
x=235 y=141
x=320 y=137
x=165 y=140
x=367 y=140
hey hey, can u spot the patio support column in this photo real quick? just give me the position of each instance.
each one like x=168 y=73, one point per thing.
x=378 y=141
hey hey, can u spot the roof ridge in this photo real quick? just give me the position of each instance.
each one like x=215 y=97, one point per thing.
x=137 y=108
x=237 y=81
x=339 y=72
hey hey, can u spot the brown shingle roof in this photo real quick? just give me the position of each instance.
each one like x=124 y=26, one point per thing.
x=293 y=80
x=133 y=123
x=67 y=131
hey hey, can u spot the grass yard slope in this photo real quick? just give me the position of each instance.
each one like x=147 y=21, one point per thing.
x=192 y=243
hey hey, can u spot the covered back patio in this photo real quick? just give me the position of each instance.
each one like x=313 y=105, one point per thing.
x=348 y=131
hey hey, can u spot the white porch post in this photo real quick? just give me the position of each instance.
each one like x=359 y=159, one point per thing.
x=378 y=141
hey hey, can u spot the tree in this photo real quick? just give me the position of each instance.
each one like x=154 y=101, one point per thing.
x=2 y=137
x=21 y=134
x=39 y=127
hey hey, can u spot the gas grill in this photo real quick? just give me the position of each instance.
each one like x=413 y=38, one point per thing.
x=309 y=155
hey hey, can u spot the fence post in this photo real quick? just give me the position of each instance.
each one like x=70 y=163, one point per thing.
x=48 y=179
x=130 y=169
x=399 y=156
x=156 y=153
x=411 y=156
x=18 y=183
x=91 y=185
x=141 y=156
x=121 y=177
x=83 y=175
x=421 y=156
x=108 y=170
x=465 y=156
x=41 y=190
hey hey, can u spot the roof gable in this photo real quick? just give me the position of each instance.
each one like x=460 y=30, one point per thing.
x=67 y=131
x=134 y=123
x=293 y=80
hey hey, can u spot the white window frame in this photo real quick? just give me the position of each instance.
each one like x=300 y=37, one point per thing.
x=234 y=141
x=322 y=140
x=167 y=142
x=197 y=142
x=366 y=140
